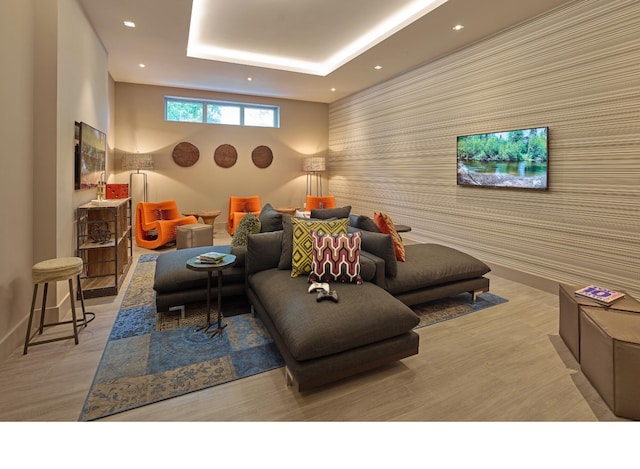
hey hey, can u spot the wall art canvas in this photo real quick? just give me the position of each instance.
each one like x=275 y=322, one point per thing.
x=90 y=157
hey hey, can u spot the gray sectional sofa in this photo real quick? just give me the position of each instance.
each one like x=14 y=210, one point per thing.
x=321 y=342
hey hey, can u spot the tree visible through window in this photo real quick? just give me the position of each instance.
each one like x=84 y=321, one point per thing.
x=221 y=112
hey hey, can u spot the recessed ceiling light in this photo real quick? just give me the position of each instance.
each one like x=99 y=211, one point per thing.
x=458 y=27
x=378 y=67
x=249 y=79
x=129 y=24
x=333 y=89
x=141 y=65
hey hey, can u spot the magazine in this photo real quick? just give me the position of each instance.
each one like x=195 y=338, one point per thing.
x=603 y=296
x=211 y=257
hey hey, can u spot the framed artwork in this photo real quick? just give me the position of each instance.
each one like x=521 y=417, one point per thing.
x=90 y=155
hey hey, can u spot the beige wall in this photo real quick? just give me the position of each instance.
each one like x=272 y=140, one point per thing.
x=140 y=127
x=54 y=73
x=393 y=147
x=16 y=163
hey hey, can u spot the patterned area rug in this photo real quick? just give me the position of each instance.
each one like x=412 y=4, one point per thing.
x=150 y=357
x=456 y=306
x=141 y=365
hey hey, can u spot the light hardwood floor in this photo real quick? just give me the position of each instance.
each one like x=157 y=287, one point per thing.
x=503 y=364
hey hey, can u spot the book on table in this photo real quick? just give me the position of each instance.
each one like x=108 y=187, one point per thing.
x=211 y=257
x=603 y=296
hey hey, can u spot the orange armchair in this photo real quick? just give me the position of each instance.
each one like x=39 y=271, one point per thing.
x=313 y=202
x=239 y=207
x=156 y=223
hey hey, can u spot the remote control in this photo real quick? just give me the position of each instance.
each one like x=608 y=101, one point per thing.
x=316 y=287
x=327 y=295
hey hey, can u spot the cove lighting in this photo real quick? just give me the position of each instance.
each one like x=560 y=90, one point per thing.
x=401 y=18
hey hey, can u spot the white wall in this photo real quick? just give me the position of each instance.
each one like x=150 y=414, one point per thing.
x=393 y=147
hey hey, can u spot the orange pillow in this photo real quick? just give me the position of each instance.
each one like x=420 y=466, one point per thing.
x=386 y=226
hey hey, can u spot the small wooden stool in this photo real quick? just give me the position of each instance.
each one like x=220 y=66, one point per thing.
x=54 y=270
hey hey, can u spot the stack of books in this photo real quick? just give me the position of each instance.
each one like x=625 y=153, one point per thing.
x=600 y=295
x=211 y=258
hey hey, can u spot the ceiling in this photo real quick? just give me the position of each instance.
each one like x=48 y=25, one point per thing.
x=318 y=44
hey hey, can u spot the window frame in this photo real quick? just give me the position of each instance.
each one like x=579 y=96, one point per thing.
x=210 y=102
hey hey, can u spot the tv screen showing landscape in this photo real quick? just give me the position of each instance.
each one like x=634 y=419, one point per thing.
x=511 y=159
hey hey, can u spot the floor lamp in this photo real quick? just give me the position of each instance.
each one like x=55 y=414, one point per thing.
x=136 y=161
x=313 y=166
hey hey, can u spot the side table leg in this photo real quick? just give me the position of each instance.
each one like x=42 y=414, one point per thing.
x=208 y=324
x=220 y=326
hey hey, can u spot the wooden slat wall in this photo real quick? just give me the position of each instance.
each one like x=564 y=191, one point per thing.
x=576 y=69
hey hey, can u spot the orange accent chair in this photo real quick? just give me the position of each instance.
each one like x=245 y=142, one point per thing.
x=239 y=207
x=313 y=202
x=156 y=223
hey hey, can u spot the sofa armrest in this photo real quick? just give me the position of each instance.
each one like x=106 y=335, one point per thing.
x=379 y=263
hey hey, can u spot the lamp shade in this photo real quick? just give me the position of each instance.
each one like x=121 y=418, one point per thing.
x=137 y=161
x=314 y=164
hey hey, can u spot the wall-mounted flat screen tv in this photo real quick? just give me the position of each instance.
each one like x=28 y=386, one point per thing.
x=515 y=159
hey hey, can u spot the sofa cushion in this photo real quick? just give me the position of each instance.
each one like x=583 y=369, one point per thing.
x=302 y=242
x=433 y=264
x=385 y=225
x=270 y=219
x=250 y=224
x=325 y=213
x=335 y=258
x=363 y=222
x=312 y=329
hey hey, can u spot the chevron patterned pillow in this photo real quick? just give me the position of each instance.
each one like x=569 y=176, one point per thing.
x=336 y=258
x=303 y=244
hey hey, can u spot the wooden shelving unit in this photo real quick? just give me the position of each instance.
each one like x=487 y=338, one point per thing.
x=104 y=244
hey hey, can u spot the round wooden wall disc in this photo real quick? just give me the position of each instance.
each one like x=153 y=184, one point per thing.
x=262 y=156
x=225 y=156
x=185 y=154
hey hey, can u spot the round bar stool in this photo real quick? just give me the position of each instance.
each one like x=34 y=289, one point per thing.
x=55 y=270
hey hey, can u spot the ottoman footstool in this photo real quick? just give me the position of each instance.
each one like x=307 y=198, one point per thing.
x=194 y=235
x=610 y=357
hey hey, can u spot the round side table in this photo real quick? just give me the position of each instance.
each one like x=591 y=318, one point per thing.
x=195 y=264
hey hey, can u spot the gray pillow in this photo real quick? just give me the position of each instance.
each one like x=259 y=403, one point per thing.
x=381 y=245
x=324 y=213
x=270 y=219
x=287 y=243
x=363 y=222
x=250 y=224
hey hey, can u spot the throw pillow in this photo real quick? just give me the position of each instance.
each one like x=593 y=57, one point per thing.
x=250 y=224
x=380 y=245
x=336 y=258
x=385 y=225
x=302 y=241
x=270 y=219
x=324 y=213
x=363 y=222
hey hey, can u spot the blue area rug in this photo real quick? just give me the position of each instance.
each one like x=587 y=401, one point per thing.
x=150 y=357
x=141 y=365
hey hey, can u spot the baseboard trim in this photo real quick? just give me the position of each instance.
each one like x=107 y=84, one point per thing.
x=533 y=281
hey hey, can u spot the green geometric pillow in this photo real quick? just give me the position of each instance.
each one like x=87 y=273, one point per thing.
x=250 y=224
x=303 y=242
